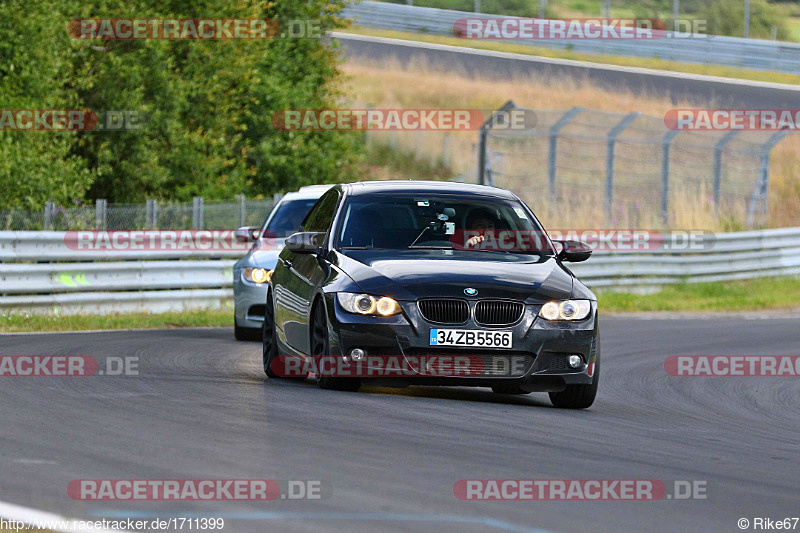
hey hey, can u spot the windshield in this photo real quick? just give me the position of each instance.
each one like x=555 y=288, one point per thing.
x=288 y=217
x=450 y=222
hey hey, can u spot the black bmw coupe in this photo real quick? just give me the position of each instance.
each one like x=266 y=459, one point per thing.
x=431 y=283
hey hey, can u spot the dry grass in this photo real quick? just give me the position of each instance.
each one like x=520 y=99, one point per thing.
x=392 y=86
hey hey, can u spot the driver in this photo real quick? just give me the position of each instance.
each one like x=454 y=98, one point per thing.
x=480 y=220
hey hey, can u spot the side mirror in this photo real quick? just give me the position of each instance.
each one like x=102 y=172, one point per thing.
x=305 y=242
x=574 y=251
x=246 y=234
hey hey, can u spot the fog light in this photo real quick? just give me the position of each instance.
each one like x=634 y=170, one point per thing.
x=357 y=354
x=575 y=361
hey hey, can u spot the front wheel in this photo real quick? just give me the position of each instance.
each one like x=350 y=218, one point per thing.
x=579 y=396
x=320 y=347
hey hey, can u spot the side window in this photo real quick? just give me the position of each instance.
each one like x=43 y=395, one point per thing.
x=321 y=215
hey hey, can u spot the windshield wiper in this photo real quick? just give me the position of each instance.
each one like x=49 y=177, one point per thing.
x=430 y=247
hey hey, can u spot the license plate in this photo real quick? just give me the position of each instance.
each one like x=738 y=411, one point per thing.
x=471 y=337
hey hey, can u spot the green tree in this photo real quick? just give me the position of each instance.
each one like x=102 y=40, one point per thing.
x=207 y=103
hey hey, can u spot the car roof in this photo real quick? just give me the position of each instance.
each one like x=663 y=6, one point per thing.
x=423 y=186
x=309 y=192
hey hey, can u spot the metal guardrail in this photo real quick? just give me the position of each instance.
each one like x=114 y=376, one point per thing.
x=703 y=49
x=32 y=278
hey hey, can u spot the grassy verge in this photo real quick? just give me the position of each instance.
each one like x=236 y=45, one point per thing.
x=745 y=295
x=653 y=63
x=12 y=323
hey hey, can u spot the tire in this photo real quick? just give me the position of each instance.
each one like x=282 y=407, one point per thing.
x=579 y=396
x=245 y=334
x=269 y=341
x=320 y=346
x=508 y=389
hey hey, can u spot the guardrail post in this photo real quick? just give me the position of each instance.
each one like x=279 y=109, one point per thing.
x=483 y=134
x=48 y=215
x=552 y=154
x=197 y=212
x=666 y=143
x=612 y=140
x=718 y=148
x=762 y=185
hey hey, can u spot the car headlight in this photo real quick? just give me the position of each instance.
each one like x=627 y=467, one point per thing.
x=566 y=310
x=364 y=304
x=257 y=275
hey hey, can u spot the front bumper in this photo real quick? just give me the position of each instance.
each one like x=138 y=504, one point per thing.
x=249 y=301
x=540 y=347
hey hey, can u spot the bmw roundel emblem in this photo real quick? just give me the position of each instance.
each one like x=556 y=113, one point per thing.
x=469 y=291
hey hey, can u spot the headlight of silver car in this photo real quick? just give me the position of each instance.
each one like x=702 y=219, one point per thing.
x=566 y=310
x=257 y=275
x=364 y=304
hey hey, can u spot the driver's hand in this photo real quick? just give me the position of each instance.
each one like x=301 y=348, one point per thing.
x=472 y=241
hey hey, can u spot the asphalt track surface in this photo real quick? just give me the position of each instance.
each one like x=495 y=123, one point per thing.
x=678 y=87
x=202 y=408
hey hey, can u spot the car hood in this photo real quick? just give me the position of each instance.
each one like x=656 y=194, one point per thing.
x=263 y=255
x=412 y=274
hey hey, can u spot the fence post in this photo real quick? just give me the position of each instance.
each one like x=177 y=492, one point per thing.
x=150 y=215
x=762 y=185
x=483 y=134
x=446 y=150
x=100 y=213
x=197 y=212
x=718 y=148
x=48 y=215
x=482 y=156
x=612 y=140
x=666 y=143
x=241 y=198
x=555 y=129
x=477 y=5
